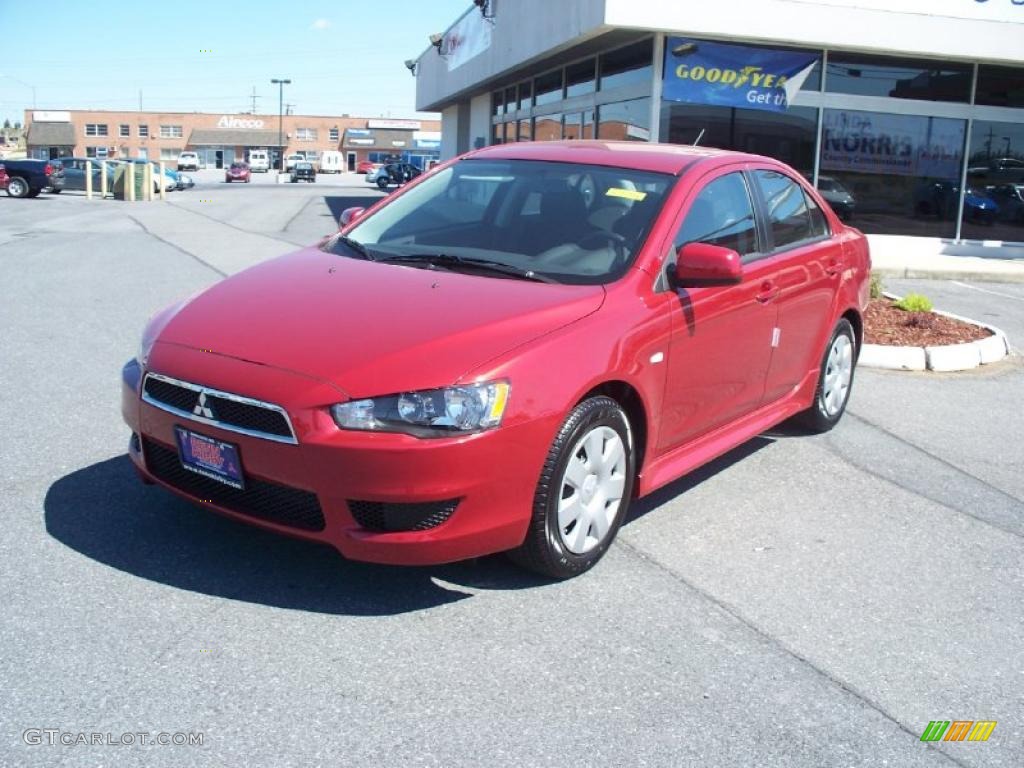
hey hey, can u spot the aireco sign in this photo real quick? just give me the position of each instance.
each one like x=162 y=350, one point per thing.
x=700 y=72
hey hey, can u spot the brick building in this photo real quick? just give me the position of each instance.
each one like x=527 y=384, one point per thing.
x=220 y=139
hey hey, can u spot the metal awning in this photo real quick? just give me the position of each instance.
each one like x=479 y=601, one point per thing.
x=51 y=135
x=228 y=137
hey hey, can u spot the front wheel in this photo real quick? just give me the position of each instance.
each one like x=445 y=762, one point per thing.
x=835 y=381
x=583 y=492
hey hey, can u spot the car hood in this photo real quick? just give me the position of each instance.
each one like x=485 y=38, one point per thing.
x=372 y=329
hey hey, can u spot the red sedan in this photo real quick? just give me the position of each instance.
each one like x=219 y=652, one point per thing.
x=365 y=166
x=238 y=172
x=505 y=353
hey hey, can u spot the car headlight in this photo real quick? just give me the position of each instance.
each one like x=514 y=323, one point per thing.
x=430 y=413
x=145 y=347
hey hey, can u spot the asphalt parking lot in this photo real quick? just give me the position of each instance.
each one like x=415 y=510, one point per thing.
x=803 y=601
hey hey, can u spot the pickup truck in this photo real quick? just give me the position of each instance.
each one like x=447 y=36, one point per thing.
x=27 y=178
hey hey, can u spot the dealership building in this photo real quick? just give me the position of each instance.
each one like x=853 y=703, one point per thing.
x=222 y=139
x=907 y=114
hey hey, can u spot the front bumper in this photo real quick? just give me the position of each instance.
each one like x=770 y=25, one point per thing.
x=489 y=478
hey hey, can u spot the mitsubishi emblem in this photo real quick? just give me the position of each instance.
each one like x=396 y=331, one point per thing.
x=202 y=409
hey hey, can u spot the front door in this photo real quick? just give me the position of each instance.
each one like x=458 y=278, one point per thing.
x=721 y=336
x=218 y=158
x=351 y=161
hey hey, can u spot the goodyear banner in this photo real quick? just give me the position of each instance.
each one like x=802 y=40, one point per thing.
x=699 y=72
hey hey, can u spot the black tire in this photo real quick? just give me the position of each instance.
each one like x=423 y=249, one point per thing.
x=382 y=184
x=17 y=187
x=34 y=193
x=819 y=418
x=56 y=191
x=544 y=550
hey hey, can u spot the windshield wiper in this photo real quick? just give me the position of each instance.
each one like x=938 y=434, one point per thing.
x=355 y=245
x=449 y=261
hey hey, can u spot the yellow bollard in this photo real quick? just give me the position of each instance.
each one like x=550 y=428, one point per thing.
x=130 y=182
x=88 y=180
x=163 y=180
x=103 y=181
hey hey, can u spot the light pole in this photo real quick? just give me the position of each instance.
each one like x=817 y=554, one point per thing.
x=280 y=117
x=27 y=85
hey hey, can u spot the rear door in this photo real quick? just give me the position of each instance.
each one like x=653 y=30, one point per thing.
x=808 y=263
x=721 y=336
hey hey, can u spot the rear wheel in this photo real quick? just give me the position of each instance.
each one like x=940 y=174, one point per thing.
x=583 y=492
x=17 y=187
x=835 y=381
x=382 y=184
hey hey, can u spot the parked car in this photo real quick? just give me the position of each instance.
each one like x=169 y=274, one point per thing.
x=169 y=178
x=292 y=159
x=28 y=178
x=365 y=166
x=942 y=200
x=185 y=181
x=332 y=162
x=188 y=161
x=1010 y=199
x=238 y=172
x=74 y=172
x=396 y=175
x=3 y=176
x=303 y=171
x=837 y=196
x=546 y=331
x=374 y=173
x=259 y=161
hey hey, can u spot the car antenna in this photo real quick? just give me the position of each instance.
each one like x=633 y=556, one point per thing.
x=699 y=137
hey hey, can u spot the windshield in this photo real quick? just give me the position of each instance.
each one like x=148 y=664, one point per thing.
x=571 y=223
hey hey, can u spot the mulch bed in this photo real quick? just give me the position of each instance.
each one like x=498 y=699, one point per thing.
x=885 y=324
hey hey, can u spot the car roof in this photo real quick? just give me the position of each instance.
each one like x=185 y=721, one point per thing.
x=636 y=155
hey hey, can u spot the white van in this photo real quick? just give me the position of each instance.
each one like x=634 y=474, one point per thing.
x=259 y=160
x=332 y=162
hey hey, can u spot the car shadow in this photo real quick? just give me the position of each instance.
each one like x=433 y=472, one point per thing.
x=338 y=203
x=104 y=512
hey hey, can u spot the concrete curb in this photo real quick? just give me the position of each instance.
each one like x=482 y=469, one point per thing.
x=949 y=357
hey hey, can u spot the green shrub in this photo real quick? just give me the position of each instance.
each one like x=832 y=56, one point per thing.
x=914 y=302
x=876 y=286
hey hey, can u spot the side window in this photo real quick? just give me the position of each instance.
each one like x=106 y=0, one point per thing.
x=819 y=224
x=721 y=214
x=789 y=218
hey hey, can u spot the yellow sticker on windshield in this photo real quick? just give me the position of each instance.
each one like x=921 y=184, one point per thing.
x=629 y=194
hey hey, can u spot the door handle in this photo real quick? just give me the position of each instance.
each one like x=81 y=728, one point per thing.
x=834 y=267
x=769 y=291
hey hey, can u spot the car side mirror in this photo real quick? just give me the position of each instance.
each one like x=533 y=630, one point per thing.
x=702 y=264
x=349 y=215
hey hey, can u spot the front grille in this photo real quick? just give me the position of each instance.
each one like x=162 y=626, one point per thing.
x=266 y=501
x=390 y=517
x=229 y=411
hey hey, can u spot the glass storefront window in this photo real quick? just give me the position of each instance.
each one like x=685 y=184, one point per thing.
x=572 y=125
x=787 y=136
x=548 y=127
x=525 y=134
x=1000 y=86
x=510 y=132
x=579 y=78
x=525 y=95
x=625 y=120
x=510 y=100
x=898 y=77
x=497 y=103
x=994 y=201
x=626 y=66
x=547 y=88
x=900 y=173
x=588 y=124
x=497 y=134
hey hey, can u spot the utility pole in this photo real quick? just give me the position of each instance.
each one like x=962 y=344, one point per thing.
x=280 y=117
x=254 y=96
x=288 y=108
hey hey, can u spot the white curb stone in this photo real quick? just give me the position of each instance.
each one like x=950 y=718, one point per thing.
x=993 y=348
x=953 y=357
x=892 y=358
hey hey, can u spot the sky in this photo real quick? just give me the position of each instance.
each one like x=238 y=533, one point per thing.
x=342 y=56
